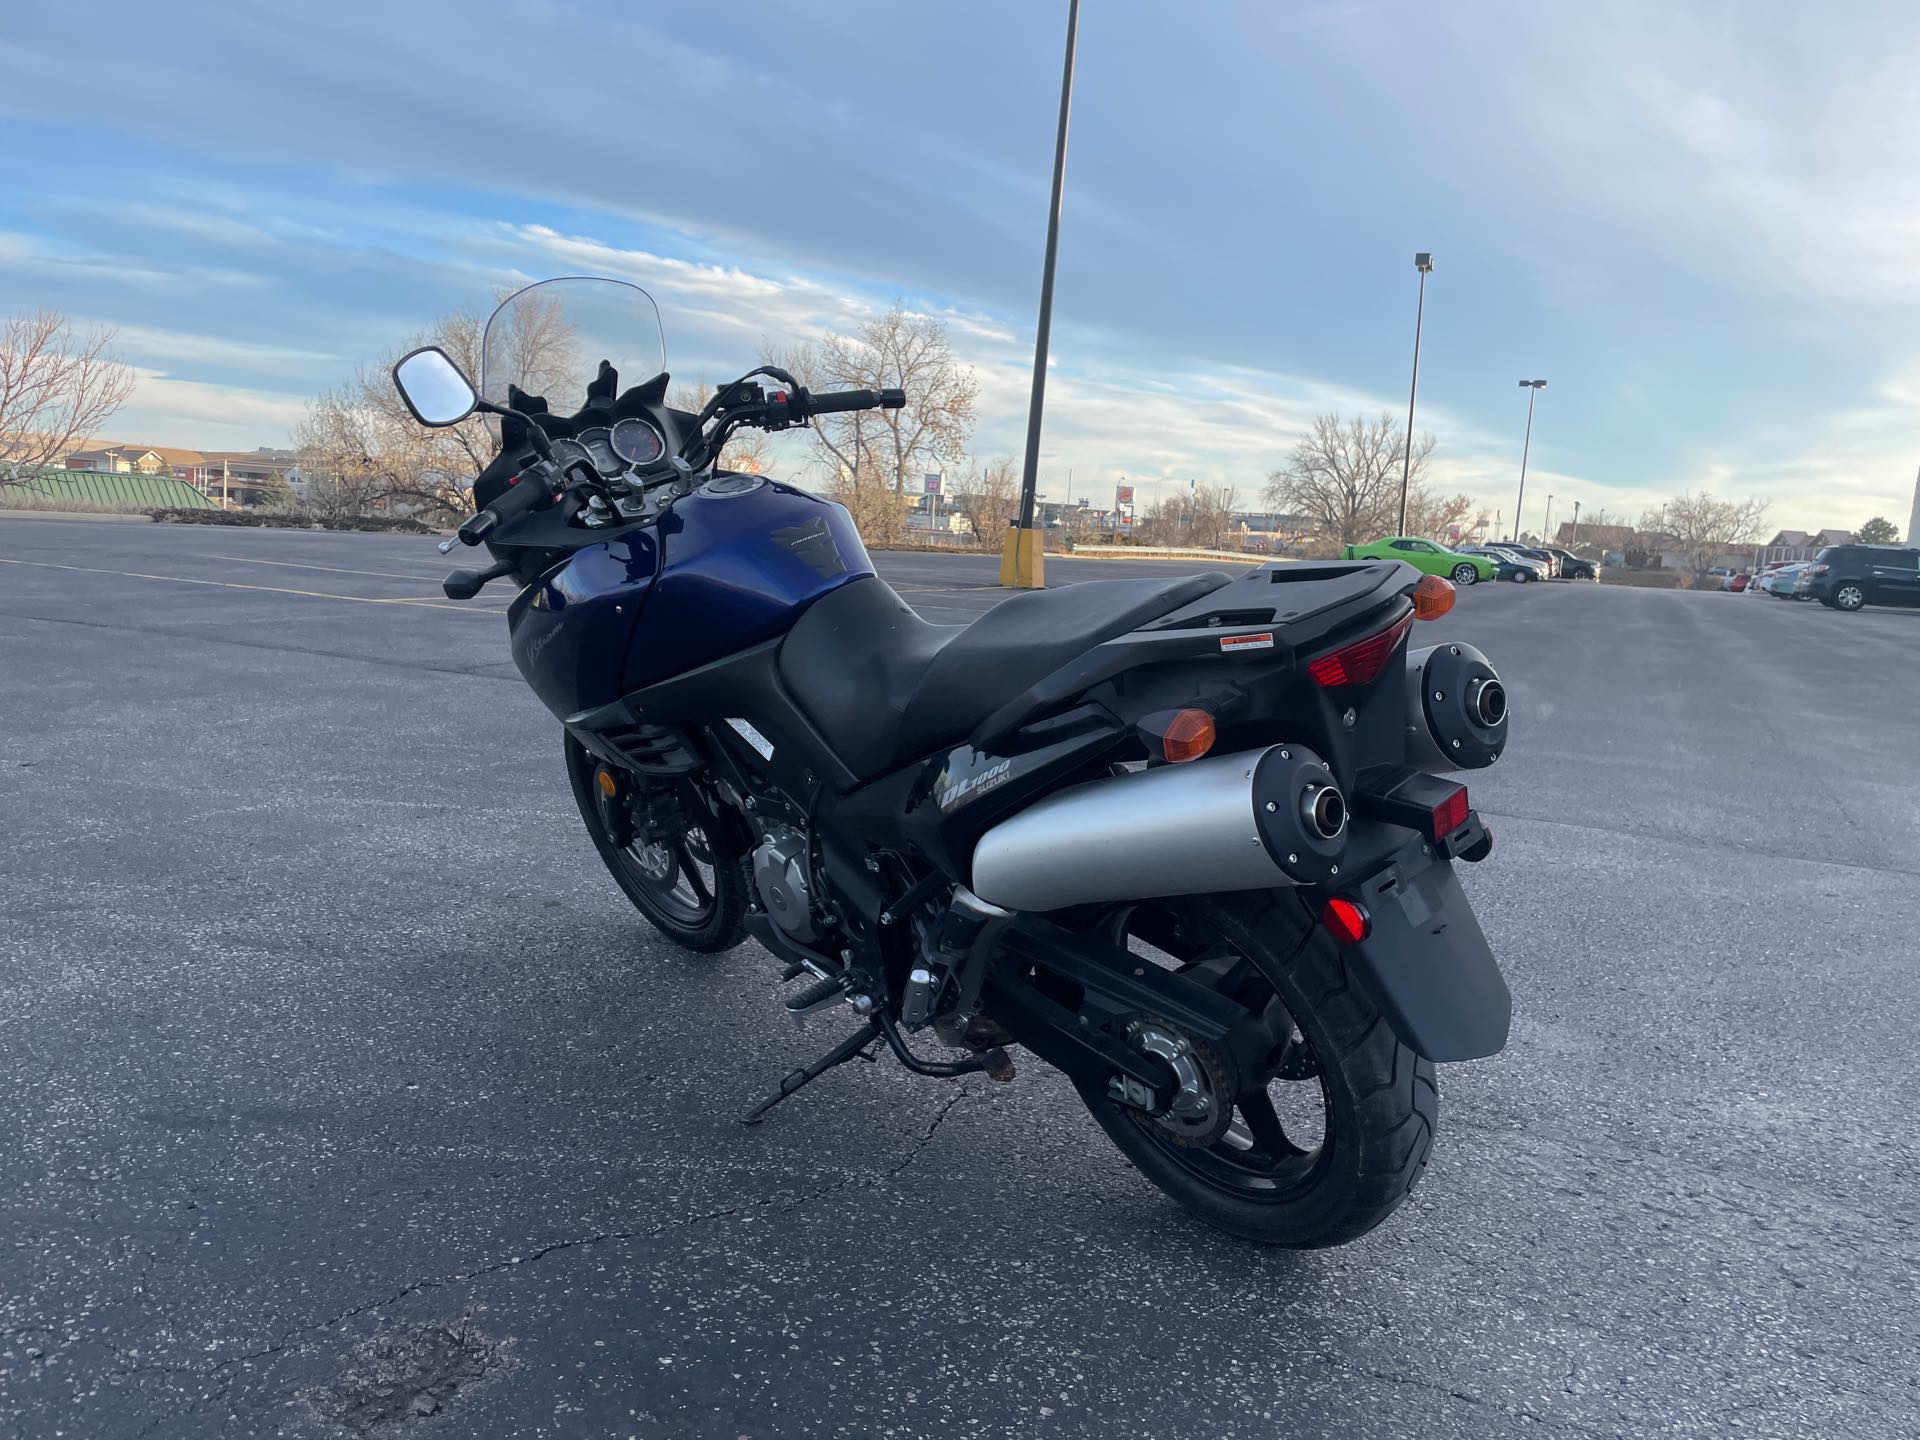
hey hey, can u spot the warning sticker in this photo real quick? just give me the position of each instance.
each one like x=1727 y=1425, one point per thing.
x=1262 y=641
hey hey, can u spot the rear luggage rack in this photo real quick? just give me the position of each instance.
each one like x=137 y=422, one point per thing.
x=1314 y=606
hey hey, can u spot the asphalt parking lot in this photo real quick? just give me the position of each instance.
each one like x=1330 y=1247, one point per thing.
x=341 y=1092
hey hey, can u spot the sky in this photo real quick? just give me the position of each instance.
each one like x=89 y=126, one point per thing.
x=1700 y=223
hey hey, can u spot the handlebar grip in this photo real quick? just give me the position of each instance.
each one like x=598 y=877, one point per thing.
x=842 y=400
x=530 y=492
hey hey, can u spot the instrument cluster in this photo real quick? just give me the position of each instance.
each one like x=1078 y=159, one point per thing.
x=630 y=444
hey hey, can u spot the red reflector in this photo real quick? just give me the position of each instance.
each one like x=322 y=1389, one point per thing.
x=1361 y=662
x=1450 y=814
x=1346 y=921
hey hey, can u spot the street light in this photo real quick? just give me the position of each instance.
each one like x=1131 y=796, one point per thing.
x=1546 y=530
x=1533 y=389
x=1423 y=262
x=1576 y=526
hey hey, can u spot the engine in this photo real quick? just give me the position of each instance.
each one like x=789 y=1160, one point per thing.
x=780 y=875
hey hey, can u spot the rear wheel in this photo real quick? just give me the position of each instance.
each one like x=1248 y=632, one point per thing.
x=692 y=892
x=1464 y=574
x=1849 y=597
x=1320 y=1120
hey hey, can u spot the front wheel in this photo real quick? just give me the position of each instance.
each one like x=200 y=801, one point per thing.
x=686 y=885
x=1466 y=574
x=1330 y=1118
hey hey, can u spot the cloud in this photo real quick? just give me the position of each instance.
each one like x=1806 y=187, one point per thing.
x=164 y=410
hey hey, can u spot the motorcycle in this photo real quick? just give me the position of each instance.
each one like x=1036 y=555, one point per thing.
x=1191 y=841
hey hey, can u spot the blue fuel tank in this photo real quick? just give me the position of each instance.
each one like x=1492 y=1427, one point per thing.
x=730 y=566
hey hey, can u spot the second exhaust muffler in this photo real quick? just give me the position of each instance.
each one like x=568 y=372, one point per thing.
x=1249 y=821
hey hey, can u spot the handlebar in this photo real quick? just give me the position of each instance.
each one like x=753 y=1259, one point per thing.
x=533 y=490
x=855 y=400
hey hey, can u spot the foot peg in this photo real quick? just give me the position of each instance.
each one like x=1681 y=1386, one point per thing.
x=817 y=996
x=799 y=1079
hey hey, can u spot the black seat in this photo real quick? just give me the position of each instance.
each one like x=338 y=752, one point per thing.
x=883 y=686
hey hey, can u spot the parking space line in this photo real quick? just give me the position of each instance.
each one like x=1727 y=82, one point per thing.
x=266 y=589
x=422 y=577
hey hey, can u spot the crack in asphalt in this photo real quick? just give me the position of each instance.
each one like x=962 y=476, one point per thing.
x=293 y=1339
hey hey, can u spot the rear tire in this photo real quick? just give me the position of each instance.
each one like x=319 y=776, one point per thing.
x=690 y=891
x=1466 y=575
x=1850 y=597
x=1379 y=1103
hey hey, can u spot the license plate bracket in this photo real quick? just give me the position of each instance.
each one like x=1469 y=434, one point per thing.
x=1425 y=960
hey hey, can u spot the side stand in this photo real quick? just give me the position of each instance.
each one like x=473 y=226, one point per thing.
x=798 y=1079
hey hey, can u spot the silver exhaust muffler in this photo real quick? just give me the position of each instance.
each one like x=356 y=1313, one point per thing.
x=1456 y=709
x=1248 y=821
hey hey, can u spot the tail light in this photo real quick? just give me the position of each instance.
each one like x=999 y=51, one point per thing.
x=1815 y=570
x=1415 y=799
x=1361 y=662
x=1450 y=814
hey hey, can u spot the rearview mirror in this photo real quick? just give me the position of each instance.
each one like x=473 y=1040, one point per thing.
x=435 y=389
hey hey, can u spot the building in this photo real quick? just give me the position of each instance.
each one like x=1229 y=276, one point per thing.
x=1794 y=545
x=113 y=457
x=228 y=477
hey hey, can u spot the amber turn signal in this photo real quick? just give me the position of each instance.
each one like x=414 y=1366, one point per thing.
x=609 y=787
x=1188 y=736
x=1432 y=597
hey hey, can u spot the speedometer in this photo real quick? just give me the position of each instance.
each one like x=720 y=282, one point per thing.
x=637 y=442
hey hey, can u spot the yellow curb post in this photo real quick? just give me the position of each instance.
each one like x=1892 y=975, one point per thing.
x=1023 y=559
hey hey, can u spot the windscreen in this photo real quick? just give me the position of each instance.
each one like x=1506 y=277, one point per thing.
x=549 y=339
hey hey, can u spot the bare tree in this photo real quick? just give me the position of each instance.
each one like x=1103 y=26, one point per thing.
x=899 y=350
x=1345 y=476
x=1705 y=527
x=362 y=450
x=58 y=387
x=746 y=449
x=1434 y=516
x=1165 y=522
x=1210 y=517
x=990 y=496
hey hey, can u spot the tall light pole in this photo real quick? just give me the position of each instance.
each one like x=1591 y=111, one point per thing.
x=1423 y=262
x=1021 y=562
x=1533 y=389
x=1576 y=526
x=1546 y=529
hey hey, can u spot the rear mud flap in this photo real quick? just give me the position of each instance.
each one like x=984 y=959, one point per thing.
x=1427 y=964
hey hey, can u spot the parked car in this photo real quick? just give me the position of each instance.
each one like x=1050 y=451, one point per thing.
x=1572 y=567
x=1779 y=581
x=1427 y=555
x=1851 y=577
x=1539 y=567
x=1511 y=567
x=1534 y=552
x=1736 y=582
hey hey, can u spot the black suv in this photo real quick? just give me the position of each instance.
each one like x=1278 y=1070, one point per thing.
x=1572 y=567
x=1848 y=577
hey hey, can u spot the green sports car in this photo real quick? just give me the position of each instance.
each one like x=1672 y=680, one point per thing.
x=1427 y=555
